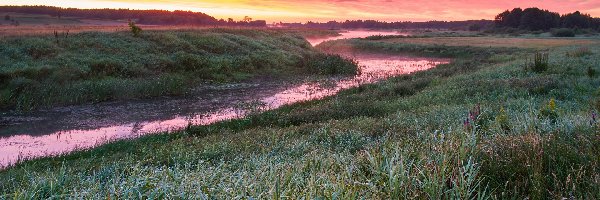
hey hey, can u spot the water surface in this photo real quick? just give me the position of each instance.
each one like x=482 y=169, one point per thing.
x=65 y=129
x=352 y=34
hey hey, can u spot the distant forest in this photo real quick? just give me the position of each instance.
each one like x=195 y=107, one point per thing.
x=474 y=25
x=531 y=19
x=535 y=19
x=149 y=17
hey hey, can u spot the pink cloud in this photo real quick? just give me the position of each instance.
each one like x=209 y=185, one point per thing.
x=318 y=10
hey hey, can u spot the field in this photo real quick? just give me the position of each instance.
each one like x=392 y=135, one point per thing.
x=65 y=69
x=488 y=125
x=491 y=41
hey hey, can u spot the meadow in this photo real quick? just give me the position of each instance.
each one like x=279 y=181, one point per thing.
x=498 y=122
x=493 y=41
x=67 y=68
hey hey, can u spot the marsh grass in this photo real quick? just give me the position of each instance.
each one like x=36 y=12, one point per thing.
x=539 y=62
x=89 y=67
x=374 y=141
x=580 y=52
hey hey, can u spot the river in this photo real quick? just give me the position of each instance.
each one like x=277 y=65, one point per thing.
x=65 y=129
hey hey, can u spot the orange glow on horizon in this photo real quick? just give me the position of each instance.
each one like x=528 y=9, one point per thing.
x=314 y=10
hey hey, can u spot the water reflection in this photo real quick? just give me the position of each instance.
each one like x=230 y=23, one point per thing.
x=352 y=34
x=80 y=132
x=374 y=68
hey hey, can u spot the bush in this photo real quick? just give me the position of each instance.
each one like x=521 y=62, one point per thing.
x=136 y=30
x=563 y=32
x=539 y=62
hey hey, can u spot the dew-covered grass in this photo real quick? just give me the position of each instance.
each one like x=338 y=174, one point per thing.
x=64 y=69
x=481 y=127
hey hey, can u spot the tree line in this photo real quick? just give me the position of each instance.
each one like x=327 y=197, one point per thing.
x=535 y=19
x=150 y=17
x=374 y=24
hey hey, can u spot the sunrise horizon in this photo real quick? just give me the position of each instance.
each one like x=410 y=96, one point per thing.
x=315 y=11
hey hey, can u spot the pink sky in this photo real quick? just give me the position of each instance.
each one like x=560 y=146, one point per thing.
x=305 y=10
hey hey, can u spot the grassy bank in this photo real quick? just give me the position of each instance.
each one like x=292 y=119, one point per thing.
x=483 y=126
x=63 y=69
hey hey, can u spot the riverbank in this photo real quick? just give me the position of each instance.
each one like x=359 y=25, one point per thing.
x=53 y=70
x=481 y=126
x=61 y=130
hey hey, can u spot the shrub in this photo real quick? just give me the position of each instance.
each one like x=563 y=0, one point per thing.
x=563 y=32
x=539 y=62
x=136 y=30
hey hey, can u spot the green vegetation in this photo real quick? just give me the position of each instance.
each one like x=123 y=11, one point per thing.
x=539 y=63
x=136 y=30
x=39 y=71
x=479 y=127
x=580 y=52
x=563 y=32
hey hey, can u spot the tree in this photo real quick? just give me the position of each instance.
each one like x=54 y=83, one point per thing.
x=514 y=20
x=247 y=19
x=535 y=19
x=577 y=20
x=500 y=19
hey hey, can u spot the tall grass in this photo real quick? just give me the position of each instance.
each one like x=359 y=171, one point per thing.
x=88 y=67
x=373 y=142
x=539 y=62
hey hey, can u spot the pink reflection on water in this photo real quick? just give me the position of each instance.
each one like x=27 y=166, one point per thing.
x=352 y=34
x=14 y=149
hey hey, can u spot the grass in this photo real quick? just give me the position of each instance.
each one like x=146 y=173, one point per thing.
x=490 y=41
x=62 y=69
x=480 y=127
x=34 y=19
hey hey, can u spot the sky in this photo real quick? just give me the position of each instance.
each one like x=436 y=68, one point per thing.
x=322 y=11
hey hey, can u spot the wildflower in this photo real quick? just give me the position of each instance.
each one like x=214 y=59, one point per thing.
x=552 y=105
x=475 y=112
x=503 y=120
